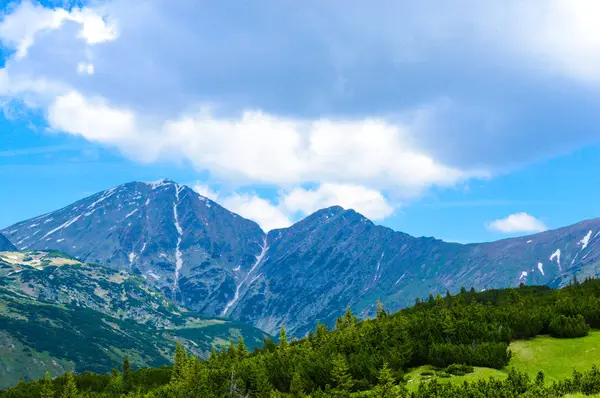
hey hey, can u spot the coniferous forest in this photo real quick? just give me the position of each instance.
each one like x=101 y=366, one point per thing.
x=369 y=358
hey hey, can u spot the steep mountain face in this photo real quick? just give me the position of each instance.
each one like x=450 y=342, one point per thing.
x=187 y=245
x=58 y=314
x=216 y=262
x=5 y=244
x=334 y=258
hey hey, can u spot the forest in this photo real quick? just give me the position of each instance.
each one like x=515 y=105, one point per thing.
x=369 y=358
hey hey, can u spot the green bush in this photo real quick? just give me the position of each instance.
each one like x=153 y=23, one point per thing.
x=459 y=369
x=567 y=327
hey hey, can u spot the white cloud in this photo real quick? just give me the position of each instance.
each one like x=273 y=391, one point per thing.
x=206 y=191
x=250 y=206
x=559 y=35
x=253 y=111
x=261 y=148
x=369 y=202
x=517 y=222
x=20 y=27
x=93 y=119
x=267 y=215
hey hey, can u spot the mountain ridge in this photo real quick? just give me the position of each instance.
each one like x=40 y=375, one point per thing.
x=216 y=262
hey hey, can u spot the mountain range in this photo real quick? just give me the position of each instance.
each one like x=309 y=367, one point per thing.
x=217 y=263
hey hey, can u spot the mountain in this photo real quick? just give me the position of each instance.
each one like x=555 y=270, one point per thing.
x=337 y=257
x=59 y=314
x=187 y=245
x=5 y=244
x=218 y=263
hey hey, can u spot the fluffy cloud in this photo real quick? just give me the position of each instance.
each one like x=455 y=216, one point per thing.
x=369 y=202
x=517 y=222
x=382 y=101
x=257 y=209
x=266 y=214
x=299 y=201
x=19 y=27
x=206 y=191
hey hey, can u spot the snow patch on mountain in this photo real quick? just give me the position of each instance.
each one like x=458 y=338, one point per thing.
x=523 y=275
x=107 y=194
x=131 y=213
x=65 y=225
x=178 y=255
x=586 y=240
x=376 y=276
x=556 y=255
x=541 y=268
x=259 y=259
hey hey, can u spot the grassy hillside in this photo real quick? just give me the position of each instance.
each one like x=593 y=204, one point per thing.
x=58 y=314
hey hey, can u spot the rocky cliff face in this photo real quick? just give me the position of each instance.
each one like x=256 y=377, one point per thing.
x=219 y=263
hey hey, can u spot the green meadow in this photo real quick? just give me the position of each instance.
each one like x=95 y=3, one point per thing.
x=555 y=357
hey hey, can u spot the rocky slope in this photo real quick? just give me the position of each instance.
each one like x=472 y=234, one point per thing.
x=5 y=244
x=216 y=262
x=59 y=314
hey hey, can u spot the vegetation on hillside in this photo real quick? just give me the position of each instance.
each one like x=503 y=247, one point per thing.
x=369 y=358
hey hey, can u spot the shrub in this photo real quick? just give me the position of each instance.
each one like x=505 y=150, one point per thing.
x=459 y=369
x=566 y=327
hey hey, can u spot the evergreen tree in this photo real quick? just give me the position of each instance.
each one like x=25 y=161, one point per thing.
x=70 y=388
x=283 y=342
x=380 y=311
x=242 y=351
x=346 y=320
x=341 y=375
x=126 y=373
x=47 y=388
x=180 y=362
x=386 y=383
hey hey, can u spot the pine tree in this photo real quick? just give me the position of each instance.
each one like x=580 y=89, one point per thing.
x=47 y=388
x=70 y=389
x=341 y=375
x=179 y=365
x=242 y=351
x=380 y=311
x=283 y=342
x=386 y=383
x=346 y=320
x=321 y=332
x=126 y=373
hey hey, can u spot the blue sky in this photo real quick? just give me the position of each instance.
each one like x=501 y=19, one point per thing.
x=463 y=120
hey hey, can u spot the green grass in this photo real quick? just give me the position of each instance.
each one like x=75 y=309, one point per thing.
x=555 y=357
